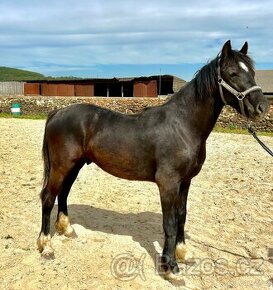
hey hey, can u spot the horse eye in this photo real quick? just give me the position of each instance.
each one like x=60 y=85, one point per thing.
x=232 y=74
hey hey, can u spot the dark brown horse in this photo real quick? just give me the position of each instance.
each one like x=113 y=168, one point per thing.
x=164 y=144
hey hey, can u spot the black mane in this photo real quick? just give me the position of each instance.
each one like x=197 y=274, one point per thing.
x=206 y=79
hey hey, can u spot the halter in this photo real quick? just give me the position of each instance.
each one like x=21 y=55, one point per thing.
x=239 y=95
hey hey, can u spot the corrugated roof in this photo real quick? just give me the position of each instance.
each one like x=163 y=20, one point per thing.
x=264 y=79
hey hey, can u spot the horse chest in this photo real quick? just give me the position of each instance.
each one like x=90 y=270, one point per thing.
x=190 y=163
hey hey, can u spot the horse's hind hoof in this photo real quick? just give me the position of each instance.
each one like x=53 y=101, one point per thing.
x=70 y=233
x=63 y=226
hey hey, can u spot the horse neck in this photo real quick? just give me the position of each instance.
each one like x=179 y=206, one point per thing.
x=200 y=114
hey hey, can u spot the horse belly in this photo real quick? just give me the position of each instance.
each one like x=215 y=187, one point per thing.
x=124 y=163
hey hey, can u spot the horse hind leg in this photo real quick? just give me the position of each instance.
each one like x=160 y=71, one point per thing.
x=57 y=183
x=48 y=196
x=62 y=224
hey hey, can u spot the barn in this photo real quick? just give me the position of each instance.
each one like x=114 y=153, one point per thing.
x=152 y=86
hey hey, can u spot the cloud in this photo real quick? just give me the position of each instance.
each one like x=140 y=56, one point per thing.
x=90 y=33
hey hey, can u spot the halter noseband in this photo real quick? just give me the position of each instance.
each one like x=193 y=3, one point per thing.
x=239 y=95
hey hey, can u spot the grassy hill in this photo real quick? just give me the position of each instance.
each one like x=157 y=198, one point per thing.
x=13 y=74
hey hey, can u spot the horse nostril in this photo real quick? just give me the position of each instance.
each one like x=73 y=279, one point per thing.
x=261 y=108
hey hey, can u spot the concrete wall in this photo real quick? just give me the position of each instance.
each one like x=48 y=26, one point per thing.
x=228 y=118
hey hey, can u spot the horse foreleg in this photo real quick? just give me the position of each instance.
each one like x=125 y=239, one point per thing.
x=181 y=251
x=168 y=195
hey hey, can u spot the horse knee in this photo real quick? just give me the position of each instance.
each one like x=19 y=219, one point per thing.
x=63 y=226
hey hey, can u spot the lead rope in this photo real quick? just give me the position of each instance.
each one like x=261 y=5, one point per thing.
x=252 y=132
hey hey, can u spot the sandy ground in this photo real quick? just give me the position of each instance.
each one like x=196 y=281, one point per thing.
x=118 y=222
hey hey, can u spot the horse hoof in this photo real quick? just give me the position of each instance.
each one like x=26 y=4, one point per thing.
x=63 y=226
x=175 y=279
x=70 y=232
x=48 y=254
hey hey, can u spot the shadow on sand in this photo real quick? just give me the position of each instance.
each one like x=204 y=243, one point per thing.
x=144 y=227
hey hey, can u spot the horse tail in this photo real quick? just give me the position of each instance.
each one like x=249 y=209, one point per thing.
x=45 y=153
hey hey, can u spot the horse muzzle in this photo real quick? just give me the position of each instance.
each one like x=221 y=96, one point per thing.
x=258 y=110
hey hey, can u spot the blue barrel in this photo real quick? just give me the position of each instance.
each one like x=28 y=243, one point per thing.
x=15 y=109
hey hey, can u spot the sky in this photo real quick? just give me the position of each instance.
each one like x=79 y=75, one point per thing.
x=123 y=38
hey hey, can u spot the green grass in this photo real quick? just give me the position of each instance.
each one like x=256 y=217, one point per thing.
x=13 y=74
x=233 y=129
x=40 y=116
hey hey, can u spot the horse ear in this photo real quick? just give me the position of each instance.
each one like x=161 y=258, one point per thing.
x=226 y=48
x=244 y=49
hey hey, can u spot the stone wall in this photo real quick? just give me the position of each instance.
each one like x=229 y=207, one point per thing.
x=42 y=105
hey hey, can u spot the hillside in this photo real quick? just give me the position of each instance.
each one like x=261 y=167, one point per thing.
x=13 y=74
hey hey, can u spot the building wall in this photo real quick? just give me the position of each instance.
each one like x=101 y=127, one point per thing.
x=84 y=90
x=137 y=87
x=57 y=89
x=145 y=88
x=32 y=89
x=11 y=88
x=152 y=88
x=177 y=84
x=65 y=90
x=48 y=90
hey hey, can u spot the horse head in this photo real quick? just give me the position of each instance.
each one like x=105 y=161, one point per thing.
x=236 y=79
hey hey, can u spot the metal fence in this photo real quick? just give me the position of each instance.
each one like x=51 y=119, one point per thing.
x=11 y=88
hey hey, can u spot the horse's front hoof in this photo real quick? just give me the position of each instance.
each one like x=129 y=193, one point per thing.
x=176 y=279
x=171 y=272
x=169 y=267
x=44 y=246
x=48 y=254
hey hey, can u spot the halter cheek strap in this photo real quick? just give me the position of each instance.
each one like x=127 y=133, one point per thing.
x=239 y=95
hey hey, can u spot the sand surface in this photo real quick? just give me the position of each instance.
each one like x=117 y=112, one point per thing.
x=119 y=223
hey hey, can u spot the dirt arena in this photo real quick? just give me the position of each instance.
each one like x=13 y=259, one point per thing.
x=118 y=222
